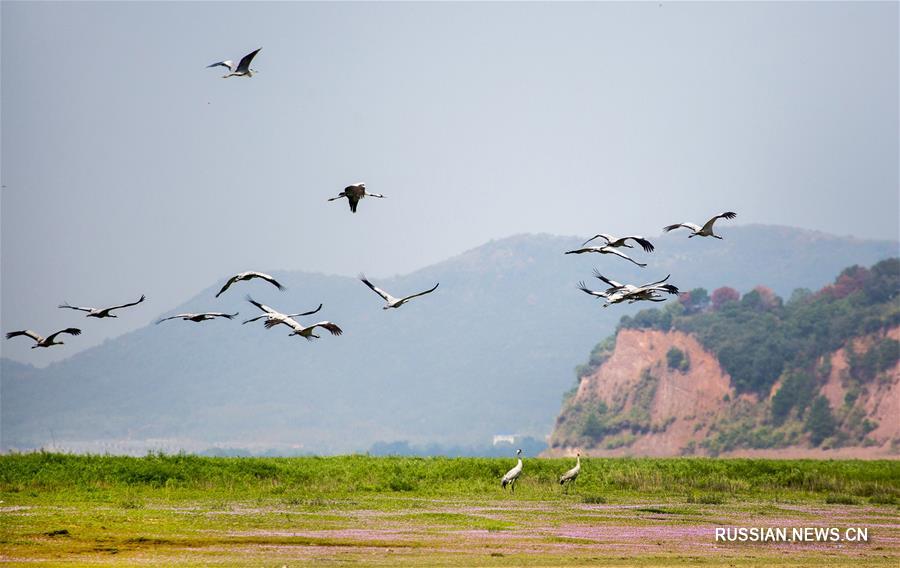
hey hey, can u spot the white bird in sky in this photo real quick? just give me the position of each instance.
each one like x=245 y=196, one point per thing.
x=571 y=475
x=242 y=69
x=607 y=249
x=274 y=317
x=307 y=331
x=393 y=302
x=354 y=193
x=44 y=341
x=513 y=474
x=101 y=312
x=630 y=293
x=612 y=241
x=249 y=275
x=199 y=317
x=704 y=231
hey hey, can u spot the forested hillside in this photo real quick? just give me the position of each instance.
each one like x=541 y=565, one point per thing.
x=817 y=370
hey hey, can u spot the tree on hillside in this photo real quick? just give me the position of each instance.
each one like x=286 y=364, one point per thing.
x=721 y=296
x=820 y=423
x=694 y=301
x=884 y=283
x=768 y=298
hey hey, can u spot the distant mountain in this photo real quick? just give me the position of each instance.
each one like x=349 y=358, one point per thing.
x=816 y=376
x=491 y=351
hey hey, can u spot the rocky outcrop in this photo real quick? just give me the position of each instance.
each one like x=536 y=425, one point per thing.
x=661 y=393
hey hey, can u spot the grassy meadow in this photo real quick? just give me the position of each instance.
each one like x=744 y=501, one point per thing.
x=182 y=509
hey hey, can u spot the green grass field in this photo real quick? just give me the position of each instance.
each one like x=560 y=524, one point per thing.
x=184 y=509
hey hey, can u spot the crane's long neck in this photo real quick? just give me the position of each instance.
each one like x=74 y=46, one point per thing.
x=519 y=465
x=578 y=461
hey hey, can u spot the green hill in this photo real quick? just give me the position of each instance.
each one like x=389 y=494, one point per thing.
x=819 y=370
x=488 y=353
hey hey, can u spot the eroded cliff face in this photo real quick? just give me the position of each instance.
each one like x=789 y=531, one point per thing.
x=879 y=400
x=662 y=394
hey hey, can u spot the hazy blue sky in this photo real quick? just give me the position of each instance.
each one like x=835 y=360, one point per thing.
x=130 y=168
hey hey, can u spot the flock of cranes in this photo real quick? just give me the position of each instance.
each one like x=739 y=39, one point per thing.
x=615 y=293
x=653 y=291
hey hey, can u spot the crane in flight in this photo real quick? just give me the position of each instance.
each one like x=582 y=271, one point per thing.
x=354 y=193
x=706 y=230
x=198 y=317
x=606 y=249
x=242 y=69
x=249 y=275
x=48 y=341
x=273 y=316
x=101 y=312
x=393 y=302
x=612 y=241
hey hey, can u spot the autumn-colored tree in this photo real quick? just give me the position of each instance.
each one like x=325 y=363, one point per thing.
x=848 y=281
x=723 y=295
x=768 y=298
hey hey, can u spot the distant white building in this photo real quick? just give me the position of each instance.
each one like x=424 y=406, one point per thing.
x=504 y=439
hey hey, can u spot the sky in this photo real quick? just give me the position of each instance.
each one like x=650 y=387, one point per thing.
x=130 y=168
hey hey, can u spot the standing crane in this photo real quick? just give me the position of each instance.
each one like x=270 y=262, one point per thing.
x=101 y=312
x=354 y=193
x=571 y=475
x=706 y=230
x=513 y=474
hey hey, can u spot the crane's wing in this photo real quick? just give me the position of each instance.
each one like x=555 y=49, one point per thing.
x=176 y=316
x=726 y=215
x=645 y=244
x=422 y=293
x=27 y=332
x=610 y=250
x=143 y=297
x=353 y=199
x=80 y=309
x=290 y=322
x=231 y=281
x=254 y=319
x=686 y=225
x=612 y=283
x=571 y=474
x=306 y=313
x=670 y=288
x=69 y=330
x=228 y=64
x=333 y=328
x=244 y=65
x=582 y=250
x=267 y=278
x=262 y=307
x=658 y=282
x=375 y=289
x=219 y=315
x=586 y=290
x=607 y=238
x=340 y=196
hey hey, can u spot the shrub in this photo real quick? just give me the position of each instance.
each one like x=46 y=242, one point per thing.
x=677 y=360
